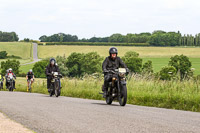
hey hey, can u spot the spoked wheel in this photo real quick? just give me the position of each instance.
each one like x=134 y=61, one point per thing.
x=30 y=88
x=51 y=91
x=123 y=96
x=57 y=89
x=109 y=98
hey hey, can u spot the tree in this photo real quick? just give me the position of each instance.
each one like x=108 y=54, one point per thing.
x=147 y=67
x=3 y=54
x=182 y=65
x=61 y=61
x=73 y=64
x=39 y=68
x=133 y=62
x=167 y=73
x=91 y=63
x=14 y=64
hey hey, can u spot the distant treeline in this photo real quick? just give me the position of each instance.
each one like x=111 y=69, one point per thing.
x=8 y=36
x=94 y=43
x=157 y=38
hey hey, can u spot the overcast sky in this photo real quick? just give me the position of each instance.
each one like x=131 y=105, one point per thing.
x=100 y=18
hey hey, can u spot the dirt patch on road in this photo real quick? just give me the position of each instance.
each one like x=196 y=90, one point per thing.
x=9 y=126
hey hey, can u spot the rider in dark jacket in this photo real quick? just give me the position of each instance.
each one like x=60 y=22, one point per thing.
x=111 y=63
x=52 y=67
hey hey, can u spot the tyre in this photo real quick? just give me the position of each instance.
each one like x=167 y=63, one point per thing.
x=108 y=100
x=57 y=89
x=51 y=91
x=123 y=96
x=29 y=87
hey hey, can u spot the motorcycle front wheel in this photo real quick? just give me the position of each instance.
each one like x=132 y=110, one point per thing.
x=123 y=96
x=57 y=89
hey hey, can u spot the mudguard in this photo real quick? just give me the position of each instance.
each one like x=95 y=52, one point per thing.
x=123 y=82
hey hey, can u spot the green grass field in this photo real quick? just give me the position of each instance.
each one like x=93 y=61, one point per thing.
x=21 y=49
x=160 y=56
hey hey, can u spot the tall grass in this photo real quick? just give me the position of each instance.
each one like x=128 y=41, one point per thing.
x=144 y=91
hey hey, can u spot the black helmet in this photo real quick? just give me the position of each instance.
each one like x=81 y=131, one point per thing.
x=52 y=60
x=113 y=50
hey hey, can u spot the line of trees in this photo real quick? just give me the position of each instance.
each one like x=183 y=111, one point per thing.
x=8 y=36
x=157 y=38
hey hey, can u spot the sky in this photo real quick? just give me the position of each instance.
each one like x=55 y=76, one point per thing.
x=99 y=18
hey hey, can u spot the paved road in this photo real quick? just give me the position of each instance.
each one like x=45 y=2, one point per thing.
x=35 y=53
x=42 y=113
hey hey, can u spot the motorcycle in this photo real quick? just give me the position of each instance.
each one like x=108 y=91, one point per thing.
x=117 y=89
x=10 y=82
x=55 y=84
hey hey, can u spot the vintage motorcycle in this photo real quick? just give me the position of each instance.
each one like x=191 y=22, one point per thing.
x=10 y=82
x=55 y=84
x=117 y=89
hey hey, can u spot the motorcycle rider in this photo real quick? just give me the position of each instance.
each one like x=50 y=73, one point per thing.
x=1 y=81
x=52 y=67
x=30 y=78
x=111 y=63
x=7 y=75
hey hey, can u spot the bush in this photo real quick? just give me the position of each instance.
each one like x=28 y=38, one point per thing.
x=62 y=61
x=147 y=67
x=167 y=73
x=133 y=62
x=74 y=62
x=91 y=63
x=79 y=64
x=14 y=64
x=3 y=54
x=39 y=68
x=181 y=64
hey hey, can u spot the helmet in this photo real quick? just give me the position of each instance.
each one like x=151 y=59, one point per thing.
x=10 y=70
x=31 y=70
x=52 y=61
x=113 y=50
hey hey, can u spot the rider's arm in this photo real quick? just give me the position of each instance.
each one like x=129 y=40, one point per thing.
x=14 y=75
x=47 y=72
x=104 y=65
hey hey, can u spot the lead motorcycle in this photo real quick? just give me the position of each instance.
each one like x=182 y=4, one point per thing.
x=55 y=84
x=117 y=89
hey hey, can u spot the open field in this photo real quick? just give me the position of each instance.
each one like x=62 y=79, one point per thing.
x=166 y=94
x=49 y=51
x=160 y=56
x=21 y=49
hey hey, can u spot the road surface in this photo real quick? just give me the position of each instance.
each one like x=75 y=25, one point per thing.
x=35 y=53
x=42 y=113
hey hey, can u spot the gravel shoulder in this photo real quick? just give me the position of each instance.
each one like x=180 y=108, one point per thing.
x=9 y=126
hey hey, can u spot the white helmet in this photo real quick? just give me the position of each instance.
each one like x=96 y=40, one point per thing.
x=10 y=69
x=31 y=70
